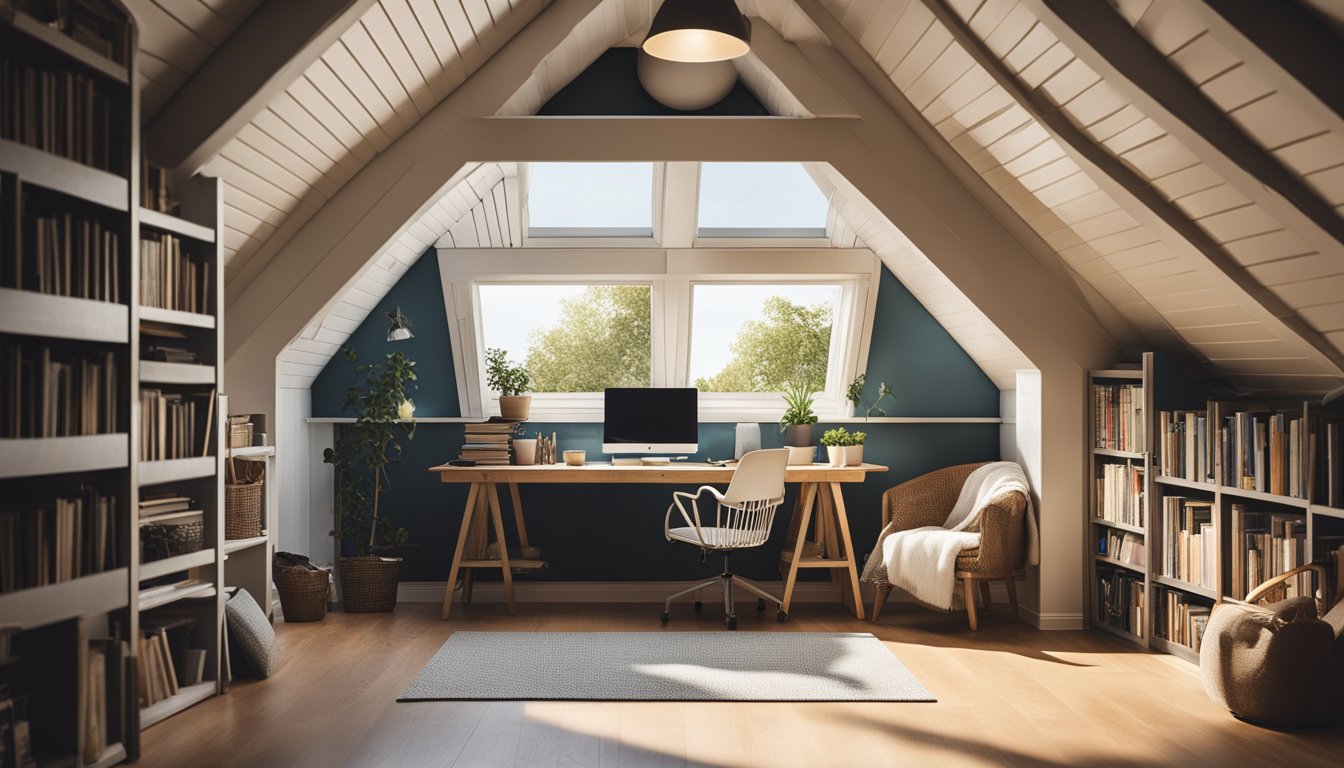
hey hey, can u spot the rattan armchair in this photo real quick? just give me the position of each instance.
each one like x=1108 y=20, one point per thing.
x=926 y=500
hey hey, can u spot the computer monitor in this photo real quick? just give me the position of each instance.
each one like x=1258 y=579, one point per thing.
x=646 y=420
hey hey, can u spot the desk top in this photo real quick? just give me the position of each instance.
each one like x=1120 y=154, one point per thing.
x=675 y=473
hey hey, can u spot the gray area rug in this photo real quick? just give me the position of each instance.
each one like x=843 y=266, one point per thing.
x=665 y=666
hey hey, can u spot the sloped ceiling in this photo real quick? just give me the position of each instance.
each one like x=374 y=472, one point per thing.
x=176 y=38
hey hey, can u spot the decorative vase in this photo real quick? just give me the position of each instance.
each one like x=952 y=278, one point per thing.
x=525 y=451
x=853 y=455
x=369 y=583
x=836 y=455
x=515 y=406
x=747 y=438
x=798 y=435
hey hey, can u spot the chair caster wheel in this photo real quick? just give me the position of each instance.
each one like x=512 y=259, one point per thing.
x=697 y=605
x=730 y=621
x=760 y=604
x=665 y=617
x=781 y=616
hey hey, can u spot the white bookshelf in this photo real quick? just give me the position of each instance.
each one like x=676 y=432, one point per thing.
x=62 y=317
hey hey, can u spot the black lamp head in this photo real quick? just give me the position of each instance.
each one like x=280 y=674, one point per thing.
x=698 y=31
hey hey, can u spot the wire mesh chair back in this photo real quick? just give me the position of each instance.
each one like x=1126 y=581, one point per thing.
x=747 y=511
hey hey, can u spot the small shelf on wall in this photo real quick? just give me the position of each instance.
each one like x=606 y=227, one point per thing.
x=85 y=596
x=31 y=456
x=177 y=317
x=177 y=226
x=183 y=699
x=176 y=470
x=156 y=568
x=29 y=313
x=156 y=372
x=43 y=169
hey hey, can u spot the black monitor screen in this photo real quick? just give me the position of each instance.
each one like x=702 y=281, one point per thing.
x=651 y=416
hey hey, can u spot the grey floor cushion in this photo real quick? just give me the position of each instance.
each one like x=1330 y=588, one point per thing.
x=251 y=636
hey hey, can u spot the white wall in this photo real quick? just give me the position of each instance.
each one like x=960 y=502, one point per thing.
x=303 y=484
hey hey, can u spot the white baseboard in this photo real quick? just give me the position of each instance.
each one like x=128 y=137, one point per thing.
x=1053 y=621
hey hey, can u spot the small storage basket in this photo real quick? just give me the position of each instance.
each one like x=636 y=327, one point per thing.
x=369 y=584
x=161 y=540
x=303 y=593
x=243 y=498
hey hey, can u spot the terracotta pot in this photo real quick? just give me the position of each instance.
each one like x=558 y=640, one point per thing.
x=836 y=455
x=853 y=455
x=369 y=584
x=515 y=407
x=798 y=435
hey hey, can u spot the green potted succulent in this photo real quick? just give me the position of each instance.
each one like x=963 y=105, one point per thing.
x=798 y=418
x=510 y=381
x=378 y=397
x=844 y=448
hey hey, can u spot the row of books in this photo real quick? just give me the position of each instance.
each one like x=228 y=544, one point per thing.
x=156 y=188
x=175 y=425
x=1121 y=546
x=104 y=723
x=1178 y=619
x=1120 y=493
x=68 y=255
x=60 y=540
x=169 y=278
x=1329 y=476
x=1183 y=445
x=487 y=442
x=165 y=664
x=1189 y=541
x=1264 y=451
x=97 y=25
x=51 y=395
x=1120 y=600
x=1266 y=544
x=1118 y=413
x=59 y=111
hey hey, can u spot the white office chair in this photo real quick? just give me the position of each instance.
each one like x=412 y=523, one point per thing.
x=742 y=519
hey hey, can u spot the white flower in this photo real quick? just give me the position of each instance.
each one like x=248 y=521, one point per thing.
x=406 y=410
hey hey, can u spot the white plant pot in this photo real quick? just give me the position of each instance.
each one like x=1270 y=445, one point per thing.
x=525 y=451
x=853 y=455
x=836 y=455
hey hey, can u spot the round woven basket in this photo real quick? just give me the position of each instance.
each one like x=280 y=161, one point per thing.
x=243 y=498
x=303 y=593
x=369 y=584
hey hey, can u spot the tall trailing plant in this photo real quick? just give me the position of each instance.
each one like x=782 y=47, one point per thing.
x=362 y=451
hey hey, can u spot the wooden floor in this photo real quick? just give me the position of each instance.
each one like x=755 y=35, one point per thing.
x=1007 y=695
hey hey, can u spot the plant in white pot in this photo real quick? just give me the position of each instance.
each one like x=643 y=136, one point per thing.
x=798 y=418
x=853 y=452
x=510 y=381
x=835 y=441
x=378 y=396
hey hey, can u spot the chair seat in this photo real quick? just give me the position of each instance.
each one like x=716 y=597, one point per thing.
x=714 y=538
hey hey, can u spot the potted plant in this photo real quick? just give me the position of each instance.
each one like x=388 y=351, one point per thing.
x=510 y=381
x=853 y=451
x=798 y=418
x=884 y=391
x=362 y=451
x=854 y=393
x=835 y=441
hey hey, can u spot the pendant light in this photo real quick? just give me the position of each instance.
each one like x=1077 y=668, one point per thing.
x=400 y=328
x=698 y=31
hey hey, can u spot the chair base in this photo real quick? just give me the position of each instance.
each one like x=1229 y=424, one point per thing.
x=726 y=581
x=968 y=581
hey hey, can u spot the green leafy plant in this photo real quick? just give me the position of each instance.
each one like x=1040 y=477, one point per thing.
x=363 y=450
x=834 y=438
x=507 y=379
x=854 y=393
x=857 y=438
x=797 y=407
x=884 y=391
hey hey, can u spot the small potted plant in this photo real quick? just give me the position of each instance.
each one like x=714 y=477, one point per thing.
x=853 y=450
x=362 y=451
x=854 y=393
x=510 y=381
x=835 y=441
x=798 y=418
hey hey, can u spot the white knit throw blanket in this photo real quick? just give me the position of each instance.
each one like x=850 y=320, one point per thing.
x=922 y=561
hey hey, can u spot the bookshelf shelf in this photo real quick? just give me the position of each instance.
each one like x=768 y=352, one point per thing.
x=1268 y=498
x=177 y=226
x=114 y=754
x=1180 y=482
x=1175 y=649
x=252 y=452
x=177 y=317
x=176 y=470
x=236 y=545
x=85 y=596
x=1119 y=526
x=156 y=372
x=156 y=568
x=1118 y=454
x=69 y=47
x=23 y=457
x=33 y=166
x=157 y=597
x=1118 y=632
x=185 y=698
x=39 y=314
x=1324 y=511
x=1184 y=586
x=1120 y=564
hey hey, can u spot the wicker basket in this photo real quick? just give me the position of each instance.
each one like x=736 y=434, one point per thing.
x=161 y=540
x=243 y=499
x=369 y=584
x=303 y=593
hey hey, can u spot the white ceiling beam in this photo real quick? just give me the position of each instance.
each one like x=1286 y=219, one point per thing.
x=271 y=50
x=784 y=61
x=1289 y=47
x=1145 y=203
x=1102 y=39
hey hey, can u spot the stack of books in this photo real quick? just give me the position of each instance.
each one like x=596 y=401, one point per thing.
x=1120 y=600
x=175 y=425
x=164 y=666
x=1178 y=620
x=67 y=254
x=1122 y=546
x=1118 y=414
x=48 y=393
x=69 y=537
x=1264 y=545
x=1263 y=451
x=1120 y=493
x=1190 y=544
x=169 y=278
x=1183 y=445
x=487 y=442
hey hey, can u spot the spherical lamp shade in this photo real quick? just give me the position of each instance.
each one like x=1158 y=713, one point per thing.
x=686 y=86
x=698 y=31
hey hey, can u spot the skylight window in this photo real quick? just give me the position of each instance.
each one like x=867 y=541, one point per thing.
x=760 y=200
x=590 y=199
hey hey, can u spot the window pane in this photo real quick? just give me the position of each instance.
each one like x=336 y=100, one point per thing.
x=778 y=197
x=572 y=338
x=614 y=196
x=758 y=338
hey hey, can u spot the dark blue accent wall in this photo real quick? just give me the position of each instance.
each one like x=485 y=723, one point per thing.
x=607 y=532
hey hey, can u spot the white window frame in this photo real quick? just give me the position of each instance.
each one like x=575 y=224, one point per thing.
x=595 y=237
x=671 y=275
x=768 y=237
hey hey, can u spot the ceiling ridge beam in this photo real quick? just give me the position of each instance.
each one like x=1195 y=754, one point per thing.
x=263 y=57
x=1102 y=39
x=783 y=61
x=1140 y=199
x=1290 y=47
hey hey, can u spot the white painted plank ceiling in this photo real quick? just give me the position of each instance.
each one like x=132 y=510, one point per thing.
x=176 y=37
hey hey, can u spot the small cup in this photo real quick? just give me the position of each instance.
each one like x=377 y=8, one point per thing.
x=575 y=458
x=525 y=451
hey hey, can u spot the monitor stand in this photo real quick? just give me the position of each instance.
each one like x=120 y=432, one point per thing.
x=636 y=461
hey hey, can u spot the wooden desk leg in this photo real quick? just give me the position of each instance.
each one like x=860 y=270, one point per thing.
x=826 y=521
x=517 y=500
x=809 y=495
x=461 y=544
x=503 y=547
x=842 y=521
x=477 y=541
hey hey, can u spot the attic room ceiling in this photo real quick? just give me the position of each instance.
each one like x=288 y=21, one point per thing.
x=1176 y=235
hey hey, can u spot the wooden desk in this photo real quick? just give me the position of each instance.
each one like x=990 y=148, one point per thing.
x=831 y=547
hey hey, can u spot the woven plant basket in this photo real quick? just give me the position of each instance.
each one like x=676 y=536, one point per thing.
x=243 y=499
x=369 y=584
x=303 y=593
